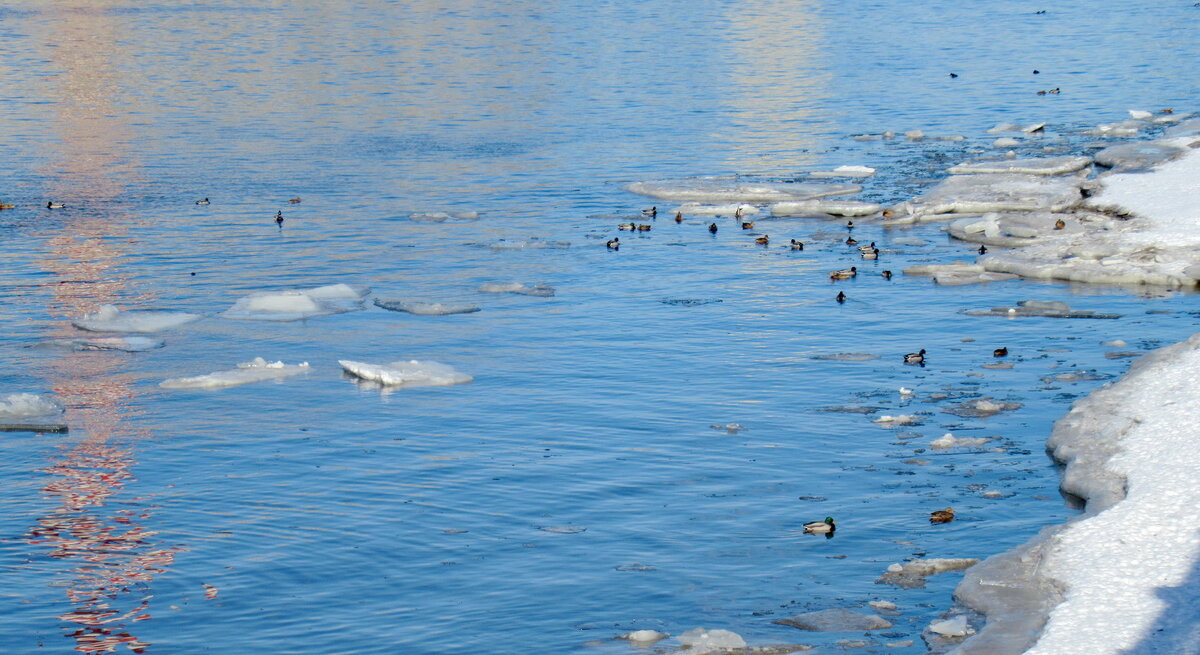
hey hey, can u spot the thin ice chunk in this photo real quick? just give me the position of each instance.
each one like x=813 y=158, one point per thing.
x=911 y=575
x=1014 y=229
x=1136 y=156
x=412 y=373
x=1039 y=166
x=245 y=373
x=426 y=308
x=836 y=620
x=127 y=344
x=297 y=304
x=708 y=189
x=1045 y=309
x=977 y=194
x=825 y=207
x=111 y=319
x=30 y=412
x=727 y=209
x=540 y=290
x=845 y=171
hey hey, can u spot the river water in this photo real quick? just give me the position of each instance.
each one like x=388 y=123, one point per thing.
x=575 y=490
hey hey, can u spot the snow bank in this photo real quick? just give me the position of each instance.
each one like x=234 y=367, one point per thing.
x=412 y=373
x=297 y=304
x=111 y=319
x=718 y=189
x=31 y=412
x=245 y=373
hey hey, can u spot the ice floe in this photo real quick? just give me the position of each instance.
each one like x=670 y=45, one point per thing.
x=540 y=290
x=819 y=208
x=977 y=194
x=900 y=419
x=845 y=357
x=442 y=217
x=845 y=171
x=1134 y=156
x=723 y=189
x=948 y=440
x=1040 y=308
x=644 y=637
x=413 y=373
x=257 y=370
x=127 y=344
x=31 y=412
x=1028 y=128
x=298 y=304
x=728 y=209
x=532 y=243
x=111 y=319
x=699 y=640
x=1014 y=229
x=834 y=620
x=953 y=627
x=912 y=574
x=981 y=408
x=426 y=308
x=1039 y=166
x=958 y=273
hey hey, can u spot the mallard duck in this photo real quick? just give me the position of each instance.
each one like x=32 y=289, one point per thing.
x=796 y=245
x=820 y=527
x=712 y=228
x=628 y=227
x=747 y=225
x=279 y=219
x=614 y=244
x=294 y=201
x=844 y=274
x=942 y=515
x=841 y=297
x=867 y=248
x=873 y=254
x=915 y=358
x=643 y=228
x=850 y=241
x=202 y=201
x=54 y=205
x=652 y=212
x=678 y=217
x=849 y=225
x=1000 y=352
x=4 y=205
x=1060 y=224
x=763 y=240
x=983 y=250
x=887 y=275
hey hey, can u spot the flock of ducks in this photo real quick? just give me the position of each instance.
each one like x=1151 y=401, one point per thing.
x=828 y=527
x=54 y=204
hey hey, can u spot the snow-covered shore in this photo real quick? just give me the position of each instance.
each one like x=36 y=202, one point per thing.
x=1124 y=577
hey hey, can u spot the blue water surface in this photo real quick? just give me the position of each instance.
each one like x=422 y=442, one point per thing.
x=577 y=488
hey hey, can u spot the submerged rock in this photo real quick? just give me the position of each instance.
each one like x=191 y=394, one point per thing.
x=834 y=620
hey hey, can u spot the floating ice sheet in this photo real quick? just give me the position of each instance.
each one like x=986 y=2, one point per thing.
x=257 y=370
x=1039 y=166
x=978 y=194
x=30 y=412
x=846 y=171
x=540 y=290
x=713 y=190
x=1045 y=309
x=912 y=574
x=111 y=319
x=981 y=408
x=533 y=243
x=727 y=209
x=298 y=304
x=957 y=273
x=825 y=208
x=426 y=308
x=1014 y=229
x=413 y=373
x=127 y=344
x=948 y=440
x=1135 y=156
x=442 y=217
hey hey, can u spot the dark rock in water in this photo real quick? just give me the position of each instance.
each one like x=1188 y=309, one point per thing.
x=836 y=620
x=690 y=302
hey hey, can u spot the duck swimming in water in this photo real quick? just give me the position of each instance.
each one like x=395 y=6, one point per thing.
x=644 y=228
x=628 y=227
x=712 y=228
x=652 y=212
x=202 y=201
x=983 y=250
x=796 y=245
x=294 y=201
x=844 y=274
x=887 y=275
x=747 y=225
x=763 y=240
x=820 y=527
x=54 y=205
x=678 y=217
x=279 y=219
x=841 y=297
x=873 y=254
x=1000 y=352
x=867 y=248
x=942 y=515
x=915 y=358
x=850 y=241
x=614 y=244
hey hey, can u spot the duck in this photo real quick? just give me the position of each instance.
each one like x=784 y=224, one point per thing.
x=294 y=201
x=849 y=225
x=738 y=213
x=867 y=248
x=983 y=250
x=850 y=241
x=644 y=228
x=874 y=254
x=678 y=217
x=953 y=75
x=279 y=219
x=763 y=240
x=54 y=205
x=841 y=297
x=915 y=358
x=942 y=515
x=747 y=225
x=4 y=205
x=797 y=245
x=628 y=227
x=1000 y=352
x=712 y=228
x=202 y=201
x=887 y=275
x=844 y=274
x=1060 y=224
x=614 y=244
x=820 y=527
x=652 y=212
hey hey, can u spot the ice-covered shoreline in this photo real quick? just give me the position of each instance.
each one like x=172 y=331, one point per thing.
x=1123 y=576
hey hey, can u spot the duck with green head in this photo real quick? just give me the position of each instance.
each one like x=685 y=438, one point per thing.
x=826 y=527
